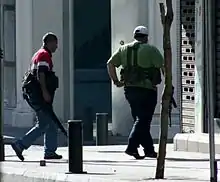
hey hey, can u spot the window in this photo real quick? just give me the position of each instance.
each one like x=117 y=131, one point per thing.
x=92 y=34
x=9 y=56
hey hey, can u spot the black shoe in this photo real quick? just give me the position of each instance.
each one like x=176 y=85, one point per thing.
x=18 y=151
x=53 y=156
x=151 y=155
x=134 y=154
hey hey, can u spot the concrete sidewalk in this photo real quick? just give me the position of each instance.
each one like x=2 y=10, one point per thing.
x=104 y=164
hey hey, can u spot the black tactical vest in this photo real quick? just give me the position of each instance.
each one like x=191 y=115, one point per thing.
x=133 y=74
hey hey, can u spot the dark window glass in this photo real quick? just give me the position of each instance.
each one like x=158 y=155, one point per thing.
x=92 y=33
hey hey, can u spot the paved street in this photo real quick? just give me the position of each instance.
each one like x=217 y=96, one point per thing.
x=105 y=163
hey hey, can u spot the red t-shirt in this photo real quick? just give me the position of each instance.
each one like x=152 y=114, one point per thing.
x=42 y=61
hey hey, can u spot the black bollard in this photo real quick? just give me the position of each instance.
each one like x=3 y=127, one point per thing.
x=101 y=128
x=75 y=142
x=216 y=171
x=88 y=124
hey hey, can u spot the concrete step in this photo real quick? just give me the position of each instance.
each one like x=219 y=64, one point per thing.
x=196 y=142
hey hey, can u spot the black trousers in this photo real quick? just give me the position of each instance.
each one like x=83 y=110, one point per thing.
x=142 y=102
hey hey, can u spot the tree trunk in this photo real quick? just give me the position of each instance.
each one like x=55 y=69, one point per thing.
x=166 y=19
x=2 y=154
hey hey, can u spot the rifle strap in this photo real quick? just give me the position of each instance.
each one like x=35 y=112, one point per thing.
x=133 y=49
x=135 y=56
x=129 y=52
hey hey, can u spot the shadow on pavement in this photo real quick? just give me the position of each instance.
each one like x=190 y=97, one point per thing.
x=121 y=164
x=38 y=161
x=11 y=155
x=110 y=151
x=108 y=161
x=100 y=174
x=175 y=178
x=187 y=160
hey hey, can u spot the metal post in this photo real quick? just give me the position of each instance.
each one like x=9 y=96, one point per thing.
x=101 y=128
x=2 y=153
x=75 y=142
x=215 y=171
x=217 y=125
x=215 y=165
x=210 y=46
x=71 y=57
x=88 y=124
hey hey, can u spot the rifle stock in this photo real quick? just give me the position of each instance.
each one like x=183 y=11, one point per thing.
x=172 y=104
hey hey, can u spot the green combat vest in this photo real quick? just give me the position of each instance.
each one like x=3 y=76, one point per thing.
x=133 y=74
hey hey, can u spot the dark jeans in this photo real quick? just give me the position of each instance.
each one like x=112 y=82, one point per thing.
x=142 y=102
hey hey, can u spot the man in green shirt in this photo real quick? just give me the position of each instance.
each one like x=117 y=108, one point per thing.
x=140 y=74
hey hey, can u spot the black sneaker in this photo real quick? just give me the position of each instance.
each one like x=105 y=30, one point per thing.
x=18 y=151
x=151 y=155
x=53 y=156
x=134 y=154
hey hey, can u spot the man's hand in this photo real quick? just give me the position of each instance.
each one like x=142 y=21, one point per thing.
x=118 y=84
x=46 y=97
x=1 y=53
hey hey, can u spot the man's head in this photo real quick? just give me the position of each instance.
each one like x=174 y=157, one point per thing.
x=141 y=34
x=50 y=41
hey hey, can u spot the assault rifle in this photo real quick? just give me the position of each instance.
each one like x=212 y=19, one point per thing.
x=172 y=104
x=48 y=110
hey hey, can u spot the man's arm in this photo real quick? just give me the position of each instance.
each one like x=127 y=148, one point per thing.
x=112 y=72
x=42 y=68
x=42 y=81
x=113 y=63
x=158 y=60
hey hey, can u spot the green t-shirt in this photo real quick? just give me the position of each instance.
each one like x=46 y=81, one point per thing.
x=147 y=56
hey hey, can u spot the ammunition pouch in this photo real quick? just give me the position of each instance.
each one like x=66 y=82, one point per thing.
x=31 y=86
x=154 y=75
x=133 y=74
x=29 y=82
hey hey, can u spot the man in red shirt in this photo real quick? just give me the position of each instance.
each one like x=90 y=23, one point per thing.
x=41 y=68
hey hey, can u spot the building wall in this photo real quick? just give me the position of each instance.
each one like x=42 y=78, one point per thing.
x=8 y=32
x=126 y=14
x=188 y=65
x=199 y=67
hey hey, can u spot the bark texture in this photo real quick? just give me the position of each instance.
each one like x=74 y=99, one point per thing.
x=166 y=11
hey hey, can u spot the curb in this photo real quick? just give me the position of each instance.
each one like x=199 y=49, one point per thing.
x=9 y=174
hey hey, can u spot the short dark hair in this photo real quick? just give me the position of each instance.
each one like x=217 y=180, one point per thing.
x=49 y=37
